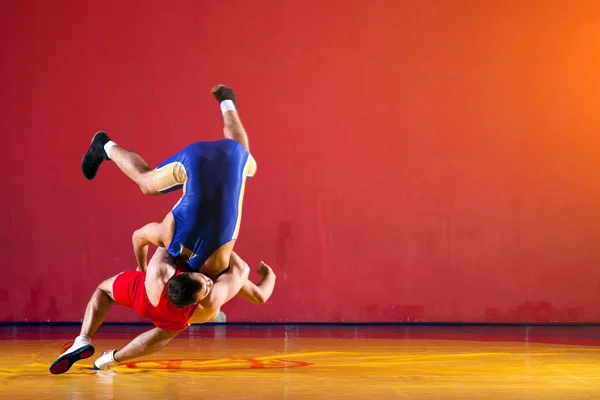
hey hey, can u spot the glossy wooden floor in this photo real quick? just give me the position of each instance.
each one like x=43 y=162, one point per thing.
x=311 y=362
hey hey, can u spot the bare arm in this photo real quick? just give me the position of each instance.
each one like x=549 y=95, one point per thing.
x=259 y=294
x=147 y=235
x=145 y=343
x=227 y=285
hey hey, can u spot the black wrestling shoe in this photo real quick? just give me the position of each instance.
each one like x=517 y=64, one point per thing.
x=223 y=93
x=95 y=155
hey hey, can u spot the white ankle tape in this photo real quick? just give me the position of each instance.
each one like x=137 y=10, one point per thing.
x=227 y=105
x=109 y=145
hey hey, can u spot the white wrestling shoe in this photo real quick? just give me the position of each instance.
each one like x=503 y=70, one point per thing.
x=80 y=350
x=106 y=361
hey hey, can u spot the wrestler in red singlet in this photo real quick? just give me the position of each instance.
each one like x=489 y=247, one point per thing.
x=129 y=290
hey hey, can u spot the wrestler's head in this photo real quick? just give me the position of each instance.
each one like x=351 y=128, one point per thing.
x=188 y=288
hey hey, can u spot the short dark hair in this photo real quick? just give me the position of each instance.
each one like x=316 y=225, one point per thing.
x=182 y=289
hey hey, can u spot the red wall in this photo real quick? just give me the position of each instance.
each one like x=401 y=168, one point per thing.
x=418 y=160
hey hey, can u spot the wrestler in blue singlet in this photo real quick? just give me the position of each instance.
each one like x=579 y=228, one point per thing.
x=212 y=174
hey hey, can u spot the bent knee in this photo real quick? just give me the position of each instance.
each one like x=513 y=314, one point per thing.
x=148 y=186
x=148 y=190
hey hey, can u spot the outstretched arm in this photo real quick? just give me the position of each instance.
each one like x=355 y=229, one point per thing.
x=259 y=294
x=227 y=285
